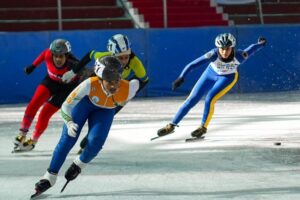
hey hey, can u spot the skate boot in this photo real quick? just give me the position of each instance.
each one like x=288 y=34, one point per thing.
x=72 y=172
x=20 y=139
x=168 y=129
x=44 y=184
x=82 y=145
x=199 y=132
x=28 y=145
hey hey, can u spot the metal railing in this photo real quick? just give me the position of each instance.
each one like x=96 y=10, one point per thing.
x=135 y=20
x=261 y=16
x=165 y=13
x=120 y=2
x=259 y=9
x=59 y=15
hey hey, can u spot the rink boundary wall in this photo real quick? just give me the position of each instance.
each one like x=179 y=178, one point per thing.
x=164 y=52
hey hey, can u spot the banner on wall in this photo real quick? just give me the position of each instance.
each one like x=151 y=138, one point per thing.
x=231 y=2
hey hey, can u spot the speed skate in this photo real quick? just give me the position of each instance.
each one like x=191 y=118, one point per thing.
x=19 y=148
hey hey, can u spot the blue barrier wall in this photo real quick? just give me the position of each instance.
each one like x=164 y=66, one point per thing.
x=164 y=52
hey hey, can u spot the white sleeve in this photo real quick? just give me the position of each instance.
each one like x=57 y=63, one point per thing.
x=134 y=85
x=73 y=99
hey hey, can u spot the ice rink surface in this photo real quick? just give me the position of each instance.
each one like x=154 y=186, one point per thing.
x=237 y=159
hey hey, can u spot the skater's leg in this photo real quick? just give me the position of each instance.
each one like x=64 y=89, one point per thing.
x=46 y=113
x=200 y=88
x=221 y=87
x=41 y=95
x=80 y=114
x=99 y=126
x=84 y=140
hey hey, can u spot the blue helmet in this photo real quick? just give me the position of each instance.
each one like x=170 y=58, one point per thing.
x=119 y=44
x=225 y=40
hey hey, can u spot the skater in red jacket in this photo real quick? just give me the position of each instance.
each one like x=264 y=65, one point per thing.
x=50 y=93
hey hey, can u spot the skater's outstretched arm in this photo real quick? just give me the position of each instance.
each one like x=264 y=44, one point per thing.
x=243 y=55
x=198 y=62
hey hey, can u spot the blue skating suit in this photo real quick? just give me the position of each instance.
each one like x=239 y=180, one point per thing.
x=216 y=81
x=90 y=102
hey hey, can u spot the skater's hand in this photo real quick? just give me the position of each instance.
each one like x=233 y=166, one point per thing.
x=68 y=76
x=262 y=40
x=177 y=83
x=72 y=128
x=29 y=69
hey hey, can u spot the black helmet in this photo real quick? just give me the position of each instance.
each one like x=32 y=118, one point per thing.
x=60 y=46
x=225 y=40
x=108 y=68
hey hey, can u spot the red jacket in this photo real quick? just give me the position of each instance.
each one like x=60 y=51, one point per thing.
x=54 y=72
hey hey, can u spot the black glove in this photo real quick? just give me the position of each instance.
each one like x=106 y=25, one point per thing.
x=262 y=40
x=29 y=69
x=177 y=83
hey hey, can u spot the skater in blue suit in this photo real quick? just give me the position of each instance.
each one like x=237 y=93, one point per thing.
x=218 y=78
x=94 y=101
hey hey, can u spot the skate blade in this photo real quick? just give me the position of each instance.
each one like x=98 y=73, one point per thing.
x=35 y=195
x=154 y=138
x=194 y=139
x=64 y=186
x=16 y=149
x=20 y=150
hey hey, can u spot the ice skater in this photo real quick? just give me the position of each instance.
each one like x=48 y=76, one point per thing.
x=118 y=45
x=94 y=100
x=218 y=78
x=50 y=93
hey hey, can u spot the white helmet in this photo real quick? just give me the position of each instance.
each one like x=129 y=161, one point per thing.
x=108 y=68
x=119 y=45
x=225 y=40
